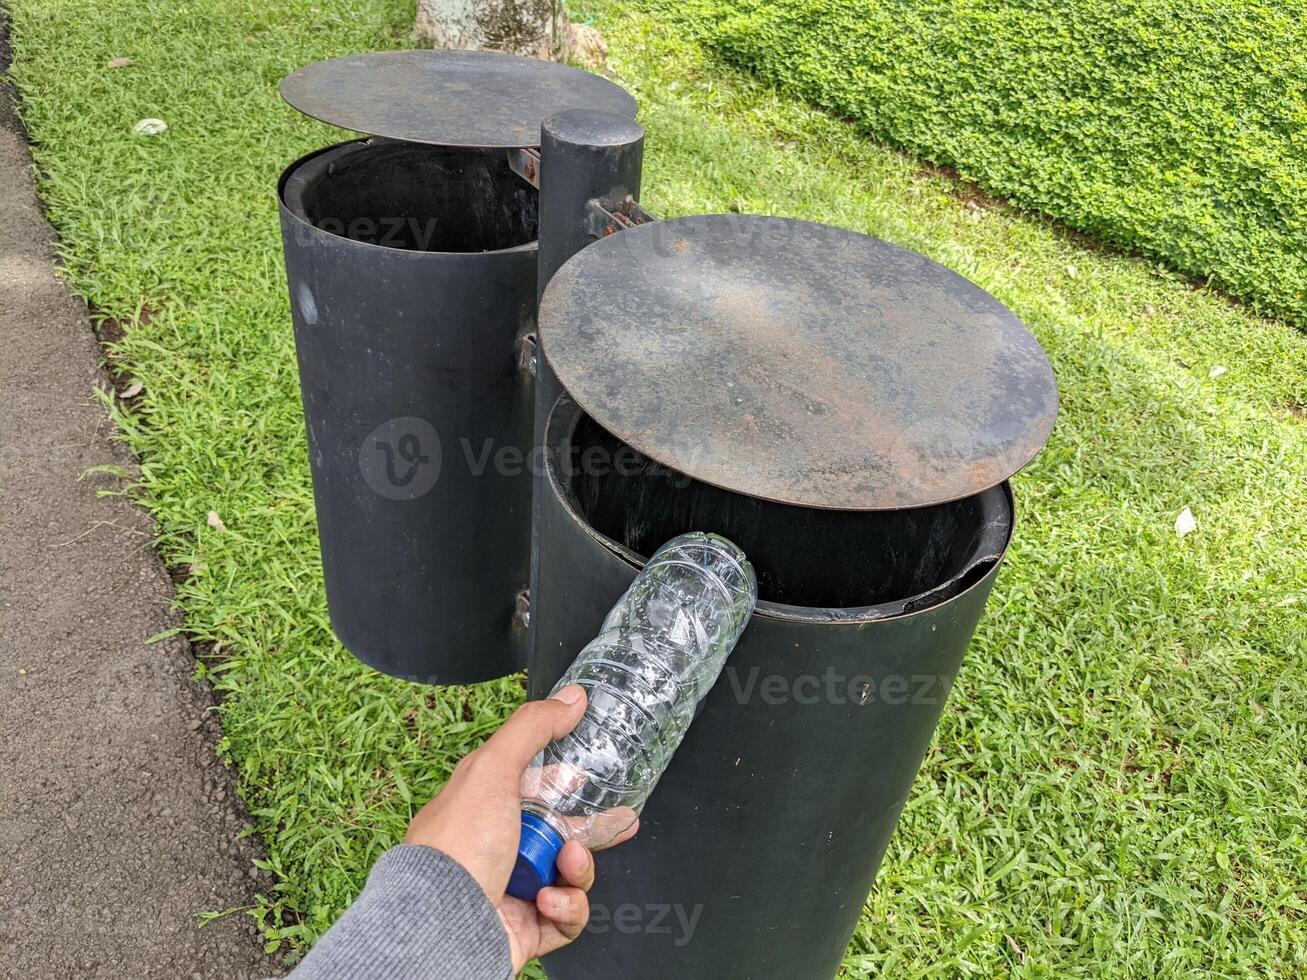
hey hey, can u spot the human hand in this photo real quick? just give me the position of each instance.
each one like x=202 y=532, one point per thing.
x=476 y=820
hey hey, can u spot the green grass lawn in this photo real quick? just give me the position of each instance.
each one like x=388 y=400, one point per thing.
x=1174 y=127
x=1118 y=783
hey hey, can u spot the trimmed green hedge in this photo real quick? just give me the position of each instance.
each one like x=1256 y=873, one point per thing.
x=1176 y=128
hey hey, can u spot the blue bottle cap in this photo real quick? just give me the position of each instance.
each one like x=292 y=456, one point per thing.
x=537 y=850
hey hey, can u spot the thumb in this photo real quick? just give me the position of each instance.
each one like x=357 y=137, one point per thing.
x=533 y=726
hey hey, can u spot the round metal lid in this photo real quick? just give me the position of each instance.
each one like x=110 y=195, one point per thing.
x=798 y=362
x=451 y=98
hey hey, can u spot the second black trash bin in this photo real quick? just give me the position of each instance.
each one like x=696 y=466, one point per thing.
x=412 y=274
x=411 y=260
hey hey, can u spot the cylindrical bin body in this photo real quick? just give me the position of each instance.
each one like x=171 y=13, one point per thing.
x=761 y=842
x=412 y=273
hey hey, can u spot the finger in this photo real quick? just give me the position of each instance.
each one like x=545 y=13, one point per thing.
x=532 y=727
x=576 y=866
x=622 y=838
x=567 y=909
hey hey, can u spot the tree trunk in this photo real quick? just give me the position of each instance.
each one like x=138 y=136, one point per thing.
x=537 y=28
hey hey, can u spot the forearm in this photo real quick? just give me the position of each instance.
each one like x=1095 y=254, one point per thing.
x=421 y=915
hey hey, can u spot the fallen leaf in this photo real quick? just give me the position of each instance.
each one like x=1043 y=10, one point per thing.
x=118 y=62
x=150 y=127
x=1185 y=523
x=1071 y=272
x=1216 y=372
x=215 y=521
x=1012 y=945
x=133 y=389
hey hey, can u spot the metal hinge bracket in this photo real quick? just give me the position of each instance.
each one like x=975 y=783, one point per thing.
x=525 y=162
x=604 y=219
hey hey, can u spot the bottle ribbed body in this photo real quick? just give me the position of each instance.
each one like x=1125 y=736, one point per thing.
x=658 y=653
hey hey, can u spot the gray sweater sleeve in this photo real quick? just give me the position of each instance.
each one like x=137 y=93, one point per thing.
x=421 y=916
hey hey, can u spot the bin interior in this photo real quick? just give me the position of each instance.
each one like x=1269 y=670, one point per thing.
x=415 y=196
x=897 y=561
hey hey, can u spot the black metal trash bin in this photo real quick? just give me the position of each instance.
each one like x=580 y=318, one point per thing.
x=411 y=259
x=412 y=274
x=759 y=846
x=848 y=412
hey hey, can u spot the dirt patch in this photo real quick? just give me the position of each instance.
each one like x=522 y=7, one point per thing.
x=960 y=188
x=111 y=329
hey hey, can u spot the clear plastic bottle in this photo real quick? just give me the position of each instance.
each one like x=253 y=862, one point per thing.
x=658 y=653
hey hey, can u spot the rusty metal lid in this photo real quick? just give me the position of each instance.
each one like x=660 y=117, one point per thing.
x=450 y=98
x=798 y=362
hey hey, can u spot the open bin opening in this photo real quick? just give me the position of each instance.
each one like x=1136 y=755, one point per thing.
x=855 y=564
x=414 y=196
